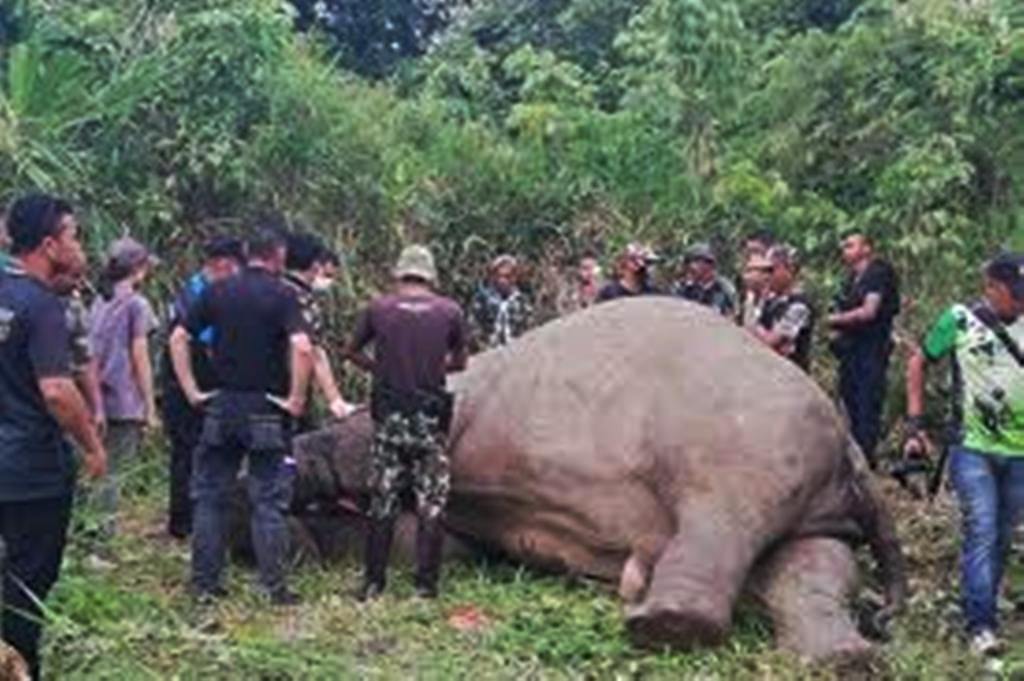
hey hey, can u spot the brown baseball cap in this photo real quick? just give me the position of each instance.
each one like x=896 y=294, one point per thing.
x=129 y=253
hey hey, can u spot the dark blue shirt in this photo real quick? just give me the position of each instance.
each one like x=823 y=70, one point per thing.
x=36 y=461
x=253 y=316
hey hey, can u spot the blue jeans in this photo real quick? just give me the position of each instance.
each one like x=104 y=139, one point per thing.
x=990 y=489
x=232 y=430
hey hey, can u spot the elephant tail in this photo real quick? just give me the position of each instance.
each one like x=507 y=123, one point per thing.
x=879 y=529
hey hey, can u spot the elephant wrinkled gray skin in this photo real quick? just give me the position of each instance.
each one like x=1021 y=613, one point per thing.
x=653 y=445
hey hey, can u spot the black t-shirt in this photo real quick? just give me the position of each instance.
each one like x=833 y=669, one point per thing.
x=879 y=277
x=253 y=315
x=614 y=289
x=35 y=460
x=412 y=336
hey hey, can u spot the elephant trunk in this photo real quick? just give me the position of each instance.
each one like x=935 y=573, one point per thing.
x=879 y=529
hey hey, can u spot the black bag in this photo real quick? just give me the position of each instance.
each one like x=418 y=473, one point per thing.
x=438 y=403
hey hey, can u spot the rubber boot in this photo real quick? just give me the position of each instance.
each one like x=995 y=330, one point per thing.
x=375 y=560
x=429 y=542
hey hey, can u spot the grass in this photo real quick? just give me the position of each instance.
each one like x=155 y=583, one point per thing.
x=494 y=621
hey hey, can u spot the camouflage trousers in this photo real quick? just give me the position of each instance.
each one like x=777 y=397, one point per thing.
x=408 y=451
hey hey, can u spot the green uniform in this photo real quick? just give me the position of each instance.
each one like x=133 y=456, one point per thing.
x=409 y=451
x=78 y=328
x=988 y=381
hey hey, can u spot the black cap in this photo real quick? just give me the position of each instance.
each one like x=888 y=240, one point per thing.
x=33 y=218
x=1008 y=269
x=224 y=247
x=700 y=251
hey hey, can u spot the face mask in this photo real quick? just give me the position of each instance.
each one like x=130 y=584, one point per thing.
x=322 y=284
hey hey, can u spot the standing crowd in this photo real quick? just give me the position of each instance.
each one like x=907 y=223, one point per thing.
x=247 y=349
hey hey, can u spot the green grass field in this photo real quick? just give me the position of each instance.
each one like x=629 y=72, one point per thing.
x=135 y=620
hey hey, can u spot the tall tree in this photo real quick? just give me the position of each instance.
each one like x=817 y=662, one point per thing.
x=372 y=38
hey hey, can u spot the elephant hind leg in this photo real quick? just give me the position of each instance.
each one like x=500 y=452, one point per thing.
x=693 y=587
x=806 y=585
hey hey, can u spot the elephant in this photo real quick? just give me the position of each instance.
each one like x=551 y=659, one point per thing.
x=655 y=446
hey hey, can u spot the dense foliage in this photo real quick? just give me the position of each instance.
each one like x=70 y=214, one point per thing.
x=540 y=127
x=543 y=127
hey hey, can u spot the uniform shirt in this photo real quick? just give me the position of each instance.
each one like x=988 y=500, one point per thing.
x=309 y=303
x=792 y=317
x=253 y=316
x=614 y=289
x=78 y=331
x=412 y=337
x=879 y=277
x=35 y=460
x=114 y=325
x=753 y=309
x=718 y=295
x=497 y=319
x=988 y=383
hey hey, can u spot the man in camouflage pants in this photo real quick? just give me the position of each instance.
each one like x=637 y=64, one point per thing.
x=418 y=336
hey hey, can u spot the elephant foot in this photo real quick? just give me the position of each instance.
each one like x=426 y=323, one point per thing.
x=681 y=627
x=692 y=590
x=806 y=586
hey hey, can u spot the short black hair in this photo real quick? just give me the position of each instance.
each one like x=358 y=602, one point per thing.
x=857 y=231
x=303 y=251
x=33 y=218
x=762 y=235
x=265 y=243
x=328 y=256
x=222 y=246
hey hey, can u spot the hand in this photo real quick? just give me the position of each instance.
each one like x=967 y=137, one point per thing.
x=294 y=406
x=340 y=408
x=95 y=463
x=99 y=422
x=153 y=423
x=916 y=444
x=198 y=398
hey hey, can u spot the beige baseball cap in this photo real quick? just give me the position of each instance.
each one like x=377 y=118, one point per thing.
x=416 y=261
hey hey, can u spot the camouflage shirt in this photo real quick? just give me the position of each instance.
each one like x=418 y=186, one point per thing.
x=497 y=319
x=719 y=294
x=76 y=314
x=78 y=330
x=309 y=304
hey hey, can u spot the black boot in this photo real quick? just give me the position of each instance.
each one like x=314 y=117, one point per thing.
x=429 y=541
x=375 y=560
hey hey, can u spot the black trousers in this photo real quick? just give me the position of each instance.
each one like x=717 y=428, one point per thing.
x=862 y=384
x=183 y=425
x=34 y=533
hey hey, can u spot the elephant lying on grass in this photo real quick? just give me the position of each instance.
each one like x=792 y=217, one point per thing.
x=650 y=444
